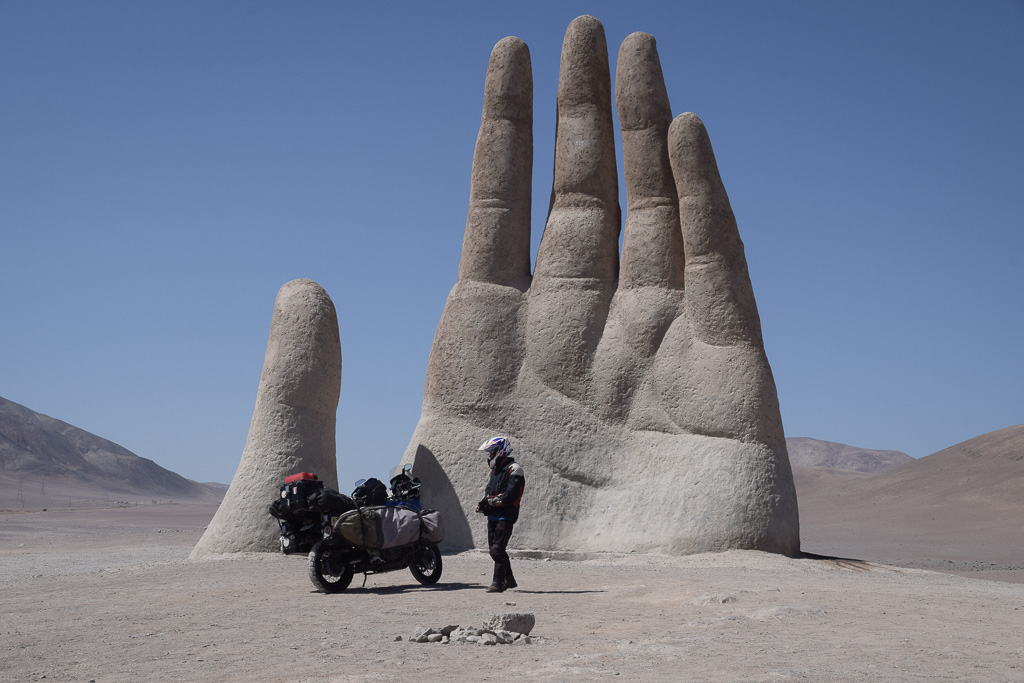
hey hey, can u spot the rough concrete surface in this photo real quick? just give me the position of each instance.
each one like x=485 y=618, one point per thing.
x=636 y=391
x=293 y=424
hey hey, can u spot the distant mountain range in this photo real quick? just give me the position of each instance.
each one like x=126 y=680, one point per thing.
x=805 y=452
x=43 y=458
x=972 y=489
x=969 y=496
x=986 y=472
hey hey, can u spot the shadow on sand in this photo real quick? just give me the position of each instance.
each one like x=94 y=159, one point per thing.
x=405 y=588
x=841 y=562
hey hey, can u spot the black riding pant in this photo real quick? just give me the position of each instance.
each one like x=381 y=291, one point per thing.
x=498 y=534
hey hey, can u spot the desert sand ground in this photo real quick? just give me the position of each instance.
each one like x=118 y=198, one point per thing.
x=918 y=523
x=108 y=595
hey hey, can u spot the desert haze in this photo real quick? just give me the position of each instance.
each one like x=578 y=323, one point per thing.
x=104 y=591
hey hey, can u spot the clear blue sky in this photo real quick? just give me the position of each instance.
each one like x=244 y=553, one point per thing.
x=166 y=167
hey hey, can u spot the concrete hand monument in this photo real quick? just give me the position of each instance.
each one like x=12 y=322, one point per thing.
x=636 y=391
x=293 y=424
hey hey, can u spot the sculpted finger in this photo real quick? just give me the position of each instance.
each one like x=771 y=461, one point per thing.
x=293 y=424
x=652 y=251
x=582 y=232
x=719 y=298
x=650 y=292
x=496 y=246
x=477 y=348
x=577 y=263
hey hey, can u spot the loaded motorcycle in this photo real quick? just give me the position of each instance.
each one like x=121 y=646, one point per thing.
x=381 y=534
x=297 y=511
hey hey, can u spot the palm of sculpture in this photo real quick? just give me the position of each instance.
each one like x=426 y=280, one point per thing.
x=639 y=397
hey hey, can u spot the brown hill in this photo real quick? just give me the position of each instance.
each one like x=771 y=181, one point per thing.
x=42 y=457
x=805 y=452
x=960 y=508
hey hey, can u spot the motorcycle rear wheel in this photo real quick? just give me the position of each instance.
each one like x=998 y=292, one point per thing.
x=327 y=568
x=426 y=565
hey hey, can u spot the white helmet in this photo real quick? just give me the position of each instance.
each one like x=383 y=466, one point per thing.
x=497 y=447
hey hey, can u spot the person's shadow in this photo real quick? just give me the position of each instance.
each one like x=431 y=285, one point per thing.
x=556 y=592
x=453 y=586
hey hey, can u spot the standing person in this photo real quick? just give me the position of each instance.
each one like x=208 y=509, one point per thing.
x=501 y=505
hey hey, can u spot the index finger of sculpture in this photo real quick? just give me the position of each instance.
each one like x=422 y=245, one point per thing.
x=496 y=246
x=719 y=298
x=477 y=348
x=652 y=249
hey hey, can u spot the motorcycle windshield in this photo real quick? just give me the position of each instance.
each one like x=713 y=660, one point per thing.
x=399 y=469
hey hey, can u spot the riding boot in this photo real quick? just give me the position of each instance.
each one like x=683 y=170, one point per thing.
x=498 y=580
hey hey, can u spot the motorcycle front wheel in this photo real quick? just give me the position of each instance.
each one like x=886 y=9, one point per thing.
x=328 y=569
x=426 y=565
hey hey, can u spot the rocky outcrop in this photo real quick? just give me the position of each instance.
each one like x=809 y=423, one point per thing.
x=293 y=425
x=636 y=391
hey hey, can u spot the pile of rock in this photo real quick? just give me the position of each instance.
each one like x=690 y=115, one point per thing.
x=500 y=629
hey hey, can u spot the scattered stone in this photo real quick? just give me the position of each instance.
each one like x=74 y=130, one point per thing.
x=504 y=637
x=423 y=635
x=519 y=622
x=471 y=634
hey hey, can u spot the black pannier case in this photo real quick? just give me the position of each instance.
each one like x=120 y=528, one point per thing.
x=300 y=525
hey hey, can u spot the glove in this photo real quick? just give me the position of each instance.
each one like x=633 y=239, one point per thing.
x=494 y=501
x=317 y=500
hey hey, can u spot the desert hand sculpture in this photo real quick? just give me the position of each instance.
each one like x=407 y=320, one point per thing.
x=293 y=424
x=637 y=394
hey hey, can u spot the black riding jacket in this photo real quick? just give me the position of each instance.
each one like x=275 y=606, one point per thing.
x=504 y=491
